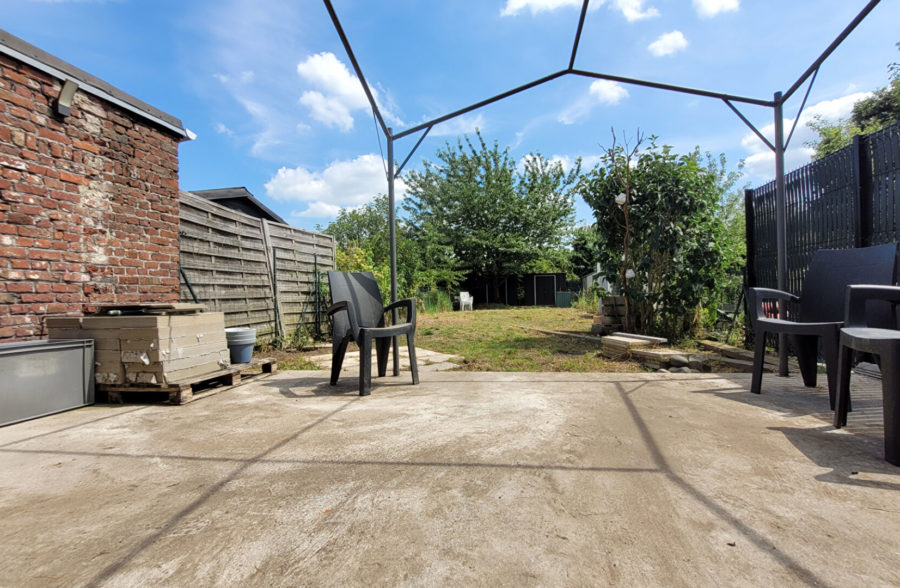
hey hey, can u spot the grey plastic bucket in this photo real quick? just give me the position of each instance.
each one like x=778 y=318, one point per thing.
x=240 y=343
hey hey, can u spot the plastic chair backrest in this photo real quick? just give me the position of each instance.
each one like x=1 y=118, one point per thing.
x=832 y=270
x=361 y=291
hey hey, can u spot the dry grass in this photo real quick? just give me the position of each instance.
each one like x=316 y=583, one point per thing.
x=495 y=340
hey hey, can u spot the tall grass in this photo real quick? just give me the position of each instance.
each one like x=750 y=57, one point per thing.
x=437 y=301
x=588 y=302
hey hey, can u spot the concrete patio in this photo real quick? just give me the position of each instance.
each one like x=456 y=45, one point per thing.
x=466 y=479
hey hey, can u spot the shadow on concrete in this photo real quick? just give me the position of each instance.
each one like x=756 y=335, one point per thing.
x=117 y=565
x=320 y=387
x=75 y=426
x=762 y=543
x=846 y=454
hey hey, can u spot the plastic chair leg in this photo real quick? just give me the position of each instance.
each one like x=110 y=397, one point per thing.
x=365 y=365
x=842 y=402
x=411 y=346
x=337 y=359
x=759 y=357
x=382 y=350
x=830 y=344
x=890 y=390
x=807 y=350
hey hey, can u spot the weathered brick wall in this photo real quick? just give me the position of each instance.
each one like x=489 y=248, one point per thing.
x=88 y=205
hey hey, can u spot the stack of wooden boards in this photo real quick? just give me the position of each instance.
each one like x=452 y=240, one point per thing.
x=611 y=317
x=627 y=345
x=156 y=347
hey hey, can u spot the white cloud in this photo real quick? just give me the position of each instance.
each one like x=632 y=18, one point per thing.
x=761 y=161
x=456 y=127
x=608 y=92
x=342 y=184
x=331 y=112
x=317 y=209
x=252 y=53
x=634 y=10
x=710 y=8
x=513 y=7
x=222 y=129
x=568 y=161
x=600 y=92
x=341 y=92
x=668 y=44
x=337 y=93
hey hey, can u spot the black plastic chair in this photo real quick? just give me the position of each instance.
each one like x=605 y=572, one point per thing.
x=870 y=326
x=821 y=308
x=359 y=315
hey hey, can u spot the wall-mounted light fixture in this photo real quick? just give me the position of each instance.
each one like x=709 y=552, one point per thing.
x=64 y=102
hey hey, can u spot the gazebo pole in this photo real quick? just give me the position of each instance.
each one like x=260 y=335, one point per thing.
x=780 y=226
x=392 y=231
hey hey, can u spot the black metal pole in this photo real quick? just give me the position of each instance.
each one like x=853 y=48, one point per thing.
x=780 y=226
x=187 y=283
x=392 y=222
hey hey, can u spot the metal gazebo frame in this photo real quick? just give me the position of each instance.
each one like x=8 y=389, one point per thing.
x=776 y=104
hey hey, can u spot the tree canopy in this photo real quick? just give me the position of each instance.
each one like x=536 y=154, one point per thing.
x=496 y=218
x=871 y=114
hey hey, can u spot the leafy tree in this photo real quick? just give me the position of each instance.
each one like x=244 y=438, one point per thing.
x=362 y=239
x=874 y=113
x=496 y=220
x=585 y=250
x=659 y=236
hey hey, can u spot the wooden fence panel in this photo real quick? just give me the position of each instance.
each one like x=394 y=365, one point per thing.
x=228 y=258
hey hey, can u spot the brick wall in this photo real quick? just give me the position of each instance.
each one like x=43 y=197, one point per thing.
x=88 y=205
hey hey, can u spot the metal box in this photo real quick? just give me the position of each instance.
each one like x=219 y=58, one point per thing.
x=38 y=378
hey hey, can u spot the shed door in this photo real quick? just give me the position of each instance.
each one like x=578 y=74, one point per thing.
x=545 y=290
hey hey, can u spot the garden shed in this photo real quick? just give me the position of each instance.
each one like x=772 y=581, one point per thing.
x=88 y=193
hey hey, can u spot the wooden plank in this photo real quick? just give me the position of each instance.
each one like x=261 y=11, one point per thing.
x=656 y=340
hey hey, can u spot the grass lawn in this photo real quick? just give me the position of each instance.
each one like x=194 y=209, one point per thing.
x=494 y=340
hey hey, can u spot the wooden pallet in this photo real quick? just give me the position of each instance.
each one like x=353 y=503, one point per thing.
x=184 y=391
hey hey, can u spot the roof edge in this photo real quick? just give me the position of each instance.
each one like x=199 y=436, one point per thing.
x=39 y=59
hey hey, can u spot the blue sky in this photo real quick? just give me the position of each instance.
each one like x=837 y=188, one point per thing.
x=269 y=91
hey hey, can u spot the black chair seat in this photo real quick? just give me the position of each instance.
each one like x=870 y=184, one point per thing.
x=869 y=336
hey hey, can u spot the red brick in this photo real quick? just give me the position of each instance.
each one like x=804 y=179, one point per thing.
x=20 y=287
x=70 y=178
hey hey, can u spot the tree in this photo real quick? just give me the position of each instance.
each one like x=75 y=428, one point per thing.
x=362 y=240
x=497 y=220
x=585 y=250
x=874 y=113
x=660 y=240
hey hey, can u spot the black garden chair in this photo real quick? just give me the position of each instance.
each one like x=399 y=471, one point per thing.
x=359 y=315
x=870 y=326
x=820 y=311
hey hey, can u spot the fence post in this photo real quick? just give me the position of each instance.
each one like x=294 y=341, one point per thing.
x=273 y=276
x=749 y=260
x=862 y=187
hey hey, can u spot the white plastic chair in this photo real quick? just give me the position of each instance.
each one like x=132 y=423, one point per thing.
x=465 y=301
